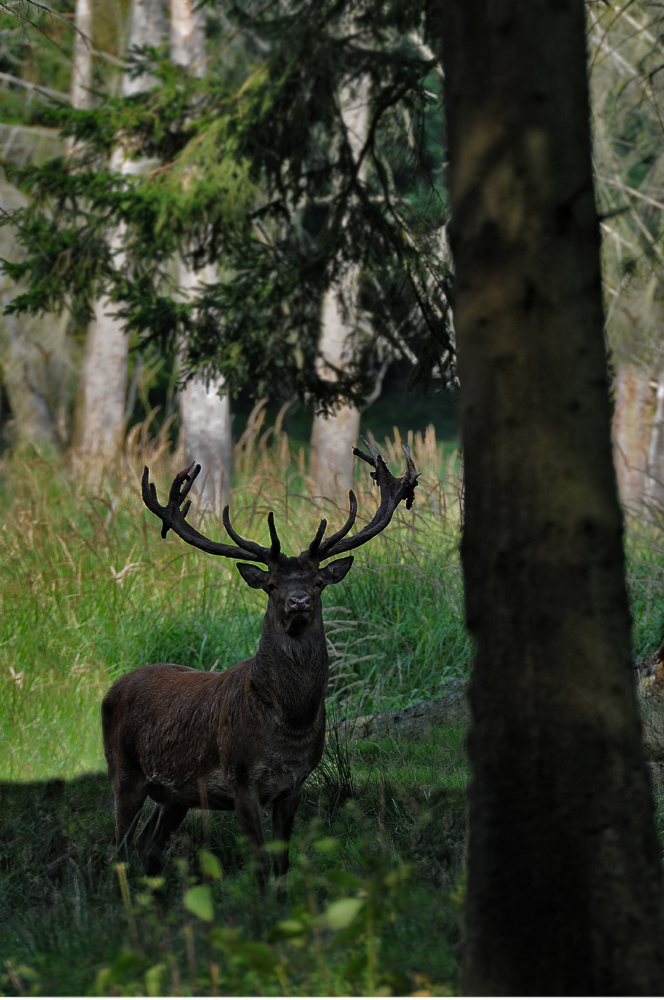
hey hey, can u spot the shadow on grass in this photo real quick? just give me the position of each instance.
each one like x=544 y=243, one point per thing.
x=63 y=918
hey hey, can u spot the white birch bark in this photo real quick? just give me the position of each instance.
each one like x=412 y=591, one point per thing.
x=81 y=74
x=331 y=460
x=205 y=421
x=205 y=417
x=34 y=358
x=104 y=382
x=655 y=475
x=631 y=421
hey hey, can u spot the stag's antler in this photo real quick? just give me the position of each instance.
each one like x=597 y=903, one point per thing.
x=392 y=492
x=173 y=518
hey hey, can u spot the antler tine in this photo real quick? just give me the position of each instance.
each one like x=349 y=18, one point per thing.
x=315 y=544
x=174 y=518
x=410 y=471
x=330 y=542
x=392 y=492
x=259 y=551
x=275 y=548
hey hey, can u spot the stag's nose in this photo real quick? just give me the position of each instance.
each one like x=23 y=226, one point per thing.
x=298 y=603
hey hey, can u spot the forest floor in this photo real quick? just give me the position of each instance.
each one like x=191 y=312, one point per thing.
x=373 y=903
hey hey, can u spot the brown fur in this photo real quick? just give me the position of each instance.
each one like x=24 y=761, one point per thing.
x=242 y=739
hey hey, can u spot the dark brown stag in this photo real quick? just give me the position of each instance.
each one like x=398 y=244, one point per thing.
x=247 y=737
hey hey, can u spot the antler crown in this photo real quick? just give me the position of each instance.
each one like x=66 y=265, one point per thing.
x=393 y=491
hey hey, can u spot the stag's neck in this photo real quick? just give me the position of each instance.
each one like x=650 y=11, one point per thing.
x=290 y=670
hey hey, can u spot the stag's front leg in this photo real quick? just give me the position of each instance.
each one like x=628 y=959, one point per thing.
x=283 y=816
x=249 y=817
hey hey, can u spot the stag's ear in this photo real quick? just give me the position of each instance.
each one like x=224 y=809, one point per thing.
x=336 y=571
x=253 y=575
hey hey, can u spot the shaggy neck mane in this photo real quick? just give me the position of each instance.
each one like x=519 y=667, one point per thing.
x=291 y=670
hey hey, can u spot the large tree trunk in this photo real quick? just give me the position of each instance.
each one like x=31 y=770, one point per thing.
x=564 y=891
x=205 y=413
x=104 y=383
x=631 y=420
x=333 y=437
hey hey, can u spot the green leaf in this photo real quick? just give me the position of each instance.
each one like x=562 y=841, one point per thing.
x=326 y=845
x=103 y=982
x=276 y=846
x=210 y=865
x=199 y=902
x=342 y=912
x=126 y=965
x=153 y=980
x=343 y=879
x=258 y=956
x=288 y=928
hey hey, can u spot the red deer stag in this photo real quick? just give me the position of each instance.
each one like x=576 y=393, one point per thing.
x=249 y=736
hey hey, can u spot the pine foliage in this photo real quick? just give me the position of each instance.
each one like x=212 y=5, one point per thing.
x=251 y=169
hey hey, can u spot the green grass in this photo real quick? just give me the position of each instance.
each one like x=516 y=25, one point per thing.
x=90 y=591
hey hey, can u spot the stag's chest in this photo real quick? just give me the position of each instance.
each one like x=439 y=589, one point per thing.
x=274 y=778
x=287 y=761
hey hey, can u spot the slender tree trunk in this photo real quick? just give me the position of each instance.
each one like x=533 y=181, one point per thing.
x=564 y=893
x=205 y=422
x=333 y=437
x=331 y=461
x=655 y=478
x=205 y=415
x=34 y=359
x=81 y=74
x=631 y=420
x=104 y=383
x=187 y=35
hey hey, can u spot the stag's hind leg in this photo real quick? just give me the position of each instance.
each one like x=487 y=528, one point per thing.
x=129 y=793
x=164 y=820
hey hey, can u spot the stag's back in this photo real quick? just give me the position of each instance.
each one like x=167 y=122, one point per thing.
x=164 y=719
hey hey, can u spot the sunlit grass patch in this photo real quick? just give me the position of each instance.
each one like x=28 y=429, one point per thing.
x=90 y=591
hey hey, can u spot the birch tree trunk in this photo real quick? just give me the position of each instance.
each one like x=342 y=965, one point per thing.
x=34 y=358
x=631 y=421
x=331 y=461
x=205 y=417
x=104 y=382
x=655 y=477
x=205 y=422
x=564 y=890
x=81 y=75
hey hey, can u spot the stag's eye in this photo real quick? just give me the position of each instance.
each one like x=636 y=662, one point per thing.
x=271 y=587
x=318 y=583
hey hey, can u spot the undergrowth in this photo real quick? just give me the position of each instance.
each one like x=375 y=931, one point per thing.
x=372 y=903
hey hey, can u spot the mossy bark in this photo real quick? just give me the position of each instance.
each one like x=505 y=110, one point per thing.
x=564 y=888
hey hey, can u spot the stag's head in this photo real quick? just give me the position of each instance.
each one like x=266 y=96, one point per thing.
x=293 y=584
